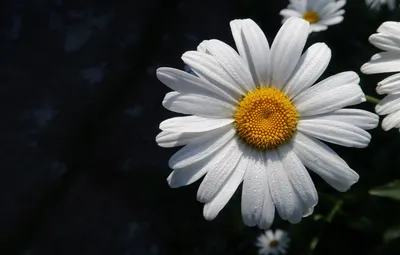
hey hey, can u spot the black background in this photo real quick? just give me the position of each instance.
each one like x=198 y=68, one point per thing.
x=80 y=172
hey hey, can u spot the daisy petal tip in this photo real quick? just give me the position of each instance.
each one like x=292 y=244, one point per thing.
x=355 y=75
x=209 y=214
x=375 y=122
x=237 y=22
x=350 y=182
x=189 y=54
x=157 y=139
x=201 y=197
x=249 y=223
x=364 y=68
x=248 y=220
x=308 y=212
x=347 y=187
x=302 y=23
x=171 y=182
x=389 y=123
x=363 y=98
x=297 y=19
x=209 y=217
x=385 y=127
x=296 y=216
x=378 y=109
x=295 y=220
x=171 y=164
x=202 y=47
x=161 y=73
x=265 y=222
x=160 y=69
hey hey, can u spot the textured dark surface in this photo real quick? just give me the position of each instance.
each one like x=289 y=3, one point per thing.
x=80 y=170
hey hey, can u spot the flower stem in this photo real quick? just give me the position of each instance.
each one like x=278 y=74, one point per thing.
x=334 y=210
x=371 y=99
x=328 y=219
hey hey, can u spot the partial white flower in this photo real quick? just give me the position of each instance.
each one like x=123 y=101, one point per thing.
x=388 y=40
x=255 y=117
x=377 y=4
x=320 y=13
x=271 y=243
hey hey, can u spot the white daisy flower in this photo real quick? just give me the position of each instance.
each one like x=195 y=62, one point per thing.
x=377 y=4
x=320 y=13
x=388 y=40
x=254 y=117
x=270 y=243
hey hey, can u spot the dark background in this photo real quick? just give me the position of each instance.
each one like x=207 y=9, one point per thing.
x=80 y=172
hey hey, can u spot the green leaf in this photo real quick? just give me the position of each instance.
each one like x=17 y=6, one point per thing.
x=392 y=233
x=391 y=190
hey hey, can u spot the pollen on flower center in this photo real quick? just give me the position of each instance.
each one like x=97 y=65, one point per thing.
x=273 y=243
x=265 y=118
x=311 y=16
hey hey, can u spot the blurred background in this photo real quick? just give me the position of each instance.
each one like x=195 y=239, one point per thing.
x=80 y=106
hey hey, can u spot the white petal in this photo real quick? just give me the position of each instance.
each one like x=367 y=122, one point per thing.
x=388 y=104
x=188 y=175
x=332 y=21
x=281 y=190
x=202 y=47
x=213 y=207
x=290 y=13
x=279 y=234
x=389 y=27
x=389 y=85
x=391 y=121
x=300 y=5
x=186 y=83
x=331 y=94
x=331 y=8
x=193 y=124
x=254 y=189
x=270 y=235
x=253 y=47
x=311 y=65
x=230 y=60
x=385 y=42
x=298 y=175
x=336 y=132
x=207 y=68
x=384 y=62
x=224 y=164
x=338 y=13
x=201 y=148
x=287 y=48
x=318 y=5
x=359 y=118
x=336 y=80
x=321 y=159
x=308 y=212
x=197 y=105
x=299 y=207
x=316 y=27
x=317 y=102
x=236 y=29
x=268 y=210
x=172 y=139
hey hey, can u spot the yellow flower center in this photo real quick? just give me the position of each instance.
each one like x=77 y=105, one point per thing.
x=273 y=243
x=265 y=118
x=311 y=16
